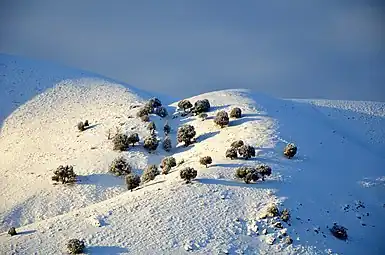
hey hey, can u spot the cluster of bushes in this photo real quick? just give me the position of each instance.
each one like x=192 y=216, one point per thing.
x=153 y=106
x=64 y=174
x=273 y=211
x=122 y=141
x=240 y=148
x=249 y=174
x=199 y=106
x=222 y=118
x=166 y=164
x=82 y=126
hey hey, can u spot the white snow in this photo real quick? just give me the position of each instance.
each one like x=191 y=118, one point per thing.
x=337 y=175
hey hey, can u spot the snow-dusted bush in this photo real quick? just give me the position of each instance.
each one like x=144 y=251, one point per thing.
x=133 y=138
x=201 y=106
x=185 y=134
x=285 y=215
x=231 y=153
x=75 y=246
x=64 y=174
x=246 y=151
x=203 y=116
x=121 y=142
x=167 y=163
x=339 y=231
x=222 y=119
x=81 y=126
x=149 y=173
x=151 y=126
x=154 y=102
x=247 y=173
x=150 y=143
x=184 y=104
x=263 y=170
x=12 y=231
x=86 y=124
x=237 y=144
x=236 y=113
x=120 y=166
x=188 y=174
x=207 y=160
x=290 y=150
x=132 y=181
x=166 y=144
x=166 y=128
x=145 y=118
x=272 y=211
x=161 y=111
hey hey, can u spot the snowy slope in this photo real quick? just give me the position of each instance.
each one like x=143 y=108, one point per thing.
x=337 y=176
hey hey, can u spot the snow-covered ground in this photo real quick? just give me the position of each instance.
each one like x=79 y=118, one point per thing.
x=337 y=176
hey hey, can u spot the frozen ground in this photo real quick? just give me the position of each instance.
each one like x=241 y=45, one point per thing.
x=337 y=175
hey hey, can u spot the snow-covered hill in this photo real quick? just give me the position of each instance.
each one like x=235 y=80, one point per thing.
x=337 y=175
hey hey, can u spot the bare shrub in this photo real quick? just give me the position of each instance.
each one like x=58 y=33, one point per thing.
x=231 y=153
x=120 y=166
x=64 y=174
x=236 y=113
x=75 y=246
x=207 y=160
x=149 y=173
x=290 y=150
x=121 y=142
x=132 y=181
x=188 y=174
x=222 y=119
x=246 y=151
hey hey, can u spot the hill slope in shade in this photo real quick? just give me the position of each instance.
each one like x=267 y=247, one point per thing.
x=337 y=175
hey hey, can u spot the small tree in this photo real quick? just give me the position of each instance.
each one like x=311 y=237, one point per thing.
x=237 y=144
x=86 y=124
x=184 y=104
x=285 y=215
x=236 y=113
x=246 y=151
x=263 y=170
x=145 y=118
x=64 y=174
x=150 y=173
x=167 y=145
x=166 y=128
x=185 y=134
x=150 y=143
x=201 y=106
x=120 y=166
x=161 y=111
x=207 y=160
x=75 y=246
x=133 y=138
x=151 y=126
x=132 y=181
x=290 y=150
x=166 y=164
x=188 y=174
x=81 y=126
x=231 y=153
x=121 y=142
x=222 y=119
x=12 y=231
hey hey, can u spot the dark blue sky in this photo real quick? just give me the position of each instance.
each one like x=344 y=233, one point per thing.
x=303 y=49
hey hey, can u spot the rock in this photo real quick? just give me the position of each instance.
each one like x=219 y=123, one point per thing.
x=264 y=232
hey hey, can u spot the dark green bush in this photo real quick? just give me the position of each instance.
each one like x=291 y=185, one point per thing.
x=149 y=173
x=75 y=246
x=185 y=134
x=188 y=174
x=120 y=166
x=64 y=174
x=150 y=143
x=132 y=181
x=222 y=119
x=236 y=113
x=121 y=142
x=207 y=160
